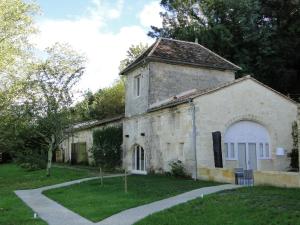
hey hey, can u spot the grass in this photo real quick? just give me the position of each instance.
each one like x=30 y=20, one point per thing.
x=245 y=206
x=95 y=203
x=12 y=210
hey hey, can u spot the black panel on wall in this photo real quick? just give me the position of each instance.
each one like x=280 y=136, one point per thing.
x=217 y=148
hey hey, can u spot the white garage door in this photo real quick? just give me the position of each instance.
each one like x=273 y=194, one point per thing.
x=247 y=141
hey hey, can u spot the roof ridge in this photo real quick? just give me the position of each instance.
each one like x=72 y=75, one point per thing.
x=155 y=44
x=210 y=51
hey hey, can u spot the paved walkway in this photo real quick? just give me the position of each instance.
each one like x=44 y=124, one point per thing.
x=55 y=214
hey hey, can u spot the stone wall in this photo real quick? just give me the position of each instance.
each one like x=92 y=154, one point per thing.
x=247 y=100
x=85 y=135
x=137 y=104
x=272 y=178
x=167 y=138
x=168 y=132
x=169 y=80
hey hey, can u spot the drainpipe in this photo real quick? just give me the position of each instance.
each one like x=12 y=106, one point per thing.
x=194 y=135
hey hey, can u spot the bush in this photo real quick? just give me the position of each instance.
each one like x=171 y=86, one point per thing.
x=106 y=148
x=177 y=169
x=31 y=159
x=294 y=155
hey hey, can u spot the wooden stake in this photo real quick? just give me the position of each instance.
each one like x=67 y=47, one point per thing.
x=101 y=176
x=125 y=179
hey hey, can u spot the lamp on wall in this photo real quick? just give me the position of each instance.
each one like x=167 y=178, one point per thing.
x=280 y=151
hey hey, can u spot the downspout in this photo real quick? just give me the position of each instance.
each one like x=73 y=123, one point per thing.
x=194 y=135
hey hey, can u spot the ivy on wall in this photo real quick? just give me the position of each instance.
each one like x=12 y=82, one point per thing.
x=106 y=148
x=294 y=154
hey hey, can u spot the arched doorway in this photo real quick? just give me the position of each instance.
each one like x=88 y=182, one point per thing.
x=139 y=160
x=247 y=141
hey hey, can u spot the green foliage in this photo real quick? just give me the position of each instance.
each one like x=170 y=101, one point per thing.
x=16 y=25
x=255 y=34
x=90 y=201
x=294 y=154
x=133 y=52
x=106 y=103
x=177 y=169
x=295 y=135
x=242 y=206
x=12 y=210
x=106 y=148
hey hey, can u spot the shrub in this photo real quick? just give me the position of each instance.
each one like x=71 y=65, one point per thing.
x=106 y=148
x=177 y=169
x=294 y=155
x=31 y=159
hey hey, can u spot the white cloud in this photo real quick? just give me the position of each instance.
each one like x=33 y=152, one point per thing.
x=150 y=15
x=103 y=49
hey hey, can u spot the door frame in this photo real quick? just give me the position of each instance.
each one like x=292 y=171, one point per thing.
x=247 y=154
x=135 y=170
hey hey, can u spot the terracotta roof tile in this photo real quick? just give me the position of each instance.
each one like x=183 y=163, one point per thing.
x=182 y=52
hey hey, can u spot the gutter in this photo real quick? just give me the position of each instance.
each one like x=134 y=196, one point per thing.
x=194 y=135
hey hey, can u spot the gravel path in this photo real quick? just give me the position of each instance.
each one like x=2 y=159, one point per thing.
x=55 y=214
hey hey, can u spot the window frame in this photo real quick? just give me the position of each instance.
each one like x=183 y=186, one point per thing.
x=228 y=151
x=266 y=148
x=137 y=85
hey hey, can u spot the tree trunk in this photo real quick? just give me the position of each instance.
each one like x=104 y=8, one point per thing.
x=50 y=153
x=49 y=162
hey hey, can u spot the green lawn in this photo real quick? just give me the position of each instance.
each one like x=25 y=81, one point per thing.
x=95 y=203
x=246 y=206
x=12 y=210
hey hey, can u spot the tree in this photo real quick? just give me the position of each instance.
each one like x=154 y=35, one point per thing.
x=133 y=52
x=50 y=93
x=262 y=36
x=16 y=24
x=110 y=101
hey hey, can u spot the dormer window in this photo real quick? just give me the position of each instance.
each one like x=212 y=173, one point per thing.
x=137 y=85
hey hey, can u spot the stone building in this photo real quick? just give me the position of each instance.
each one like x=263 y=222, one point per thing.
x=75 y=149
x=184 y=103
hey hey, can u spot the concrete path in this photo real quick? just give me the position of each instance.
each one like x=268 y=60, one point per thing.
x=55 y=214
x=49 y=210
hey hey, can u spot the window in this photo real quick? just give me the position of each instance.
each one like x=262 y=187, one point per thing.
x=137 y=85
x=261 y=150
x=230 y=151
x=264 y=151
x=139 y=163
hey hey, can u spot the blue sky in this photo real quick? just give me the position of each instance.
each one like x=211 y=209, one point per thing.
x=102 y=30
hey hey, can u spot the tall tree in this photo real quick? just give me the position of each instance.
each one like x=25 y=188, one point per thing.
x=262 y=36
x=52 y=81
x=16 y=25
x=133 y=52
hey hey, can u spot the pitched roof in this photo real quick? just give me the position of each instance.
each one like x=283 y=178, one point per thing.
x=182 y=52
x=188 y=97
x=93 y=123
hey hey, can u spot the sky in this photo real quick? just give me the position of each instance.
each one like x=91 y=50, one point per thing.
x=102 y=30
